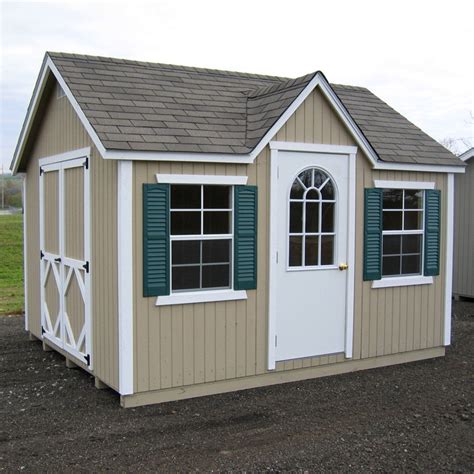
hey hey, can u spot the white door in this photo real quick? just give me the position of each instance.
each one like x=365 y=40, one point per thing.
x=65 y=267
x=312 y=228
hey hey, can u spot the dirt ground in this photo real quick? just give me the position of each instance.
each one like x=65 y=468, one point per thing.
x=415 y=416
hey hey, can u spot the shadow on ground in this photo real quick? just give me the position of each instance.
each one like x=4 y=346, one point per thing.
x=415 y=416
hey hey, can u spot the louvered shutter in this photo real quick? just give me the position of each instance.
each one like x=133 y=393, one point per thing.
x=373 y=204
x=432 y=231
x=245 y=238
x=156 y=237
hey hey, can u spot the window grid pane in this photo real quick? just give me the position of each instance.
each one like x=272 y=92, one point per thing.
x=199 y=260
x=403 y=229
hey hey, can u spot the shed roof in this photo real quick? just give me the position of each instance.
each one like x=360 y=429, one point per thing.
x=143 y=106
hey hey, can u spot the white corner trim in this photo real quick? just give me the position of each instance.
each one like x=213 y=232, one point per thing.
x=313 y=147
x=403 y=184
x=448 y=294
x=125 y=275
x=390 y=282
x=200 y=179
x=69 y=155
x=201 y=297
x=25 y=254
x=351 y=238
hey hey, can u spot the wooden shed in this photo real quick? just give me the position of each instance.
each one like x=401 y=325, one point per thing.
x=463 y=278
x=192 y=231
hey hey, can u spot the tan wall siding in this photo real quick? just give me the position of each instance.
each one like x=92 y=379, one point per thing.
x=463 y=277
x=60 y=131
x=207 y=342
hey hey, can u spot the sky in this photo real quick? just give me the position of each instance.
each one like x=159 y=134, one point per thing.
x=416 y=55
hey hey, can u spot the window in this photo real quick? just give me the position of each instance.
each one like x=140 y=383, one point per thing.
x=201 y=237
x=402 y=232
x=311 y=220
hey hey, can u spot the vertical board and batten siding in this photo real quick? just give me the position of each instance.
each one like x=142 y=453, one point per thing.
x=190 y=344
x=463 y=276
x=60 y=131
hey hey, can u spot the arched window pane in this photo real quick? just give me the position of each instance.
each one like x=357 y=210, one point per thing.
x=328 y=191
x=306 y=178
x=297 y=190
x=319 y=178
x=310 y=215
x=313 y=194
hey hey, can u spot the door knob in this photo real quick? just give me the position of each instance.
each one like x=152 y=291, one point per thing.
x=343 y=266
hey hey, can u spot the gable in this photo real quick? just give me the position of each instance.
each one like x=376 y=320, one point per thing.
x=315 y=121
x=56 y=129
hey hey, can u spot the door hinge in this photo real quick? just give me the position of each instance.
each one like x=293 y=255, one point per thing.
x=42 y=330
x=41 y=255
x=86 y=267
x=41 y=170
x=276 y=340
x=278 y=172
x=88 y=359
x=277 y=257
x=86 y=163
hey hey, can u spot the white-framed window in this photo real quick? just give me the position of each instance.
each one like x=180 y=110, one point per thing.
x=311 y=223
x=402 y=232
x=201 y=237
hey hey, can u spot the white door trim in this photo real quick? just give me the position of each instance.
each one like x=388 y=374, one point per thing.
x=72 y=159
x=125 y=274
x=274 y=217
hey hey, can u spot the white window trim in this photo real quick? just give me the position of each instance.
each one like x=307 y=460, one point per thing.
x=203 y=296
x=422 y=185
x=201 y=179
x=409 y=280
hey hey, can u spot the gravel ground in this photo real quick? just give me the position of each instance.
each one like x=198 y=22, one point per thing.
x=415 y=416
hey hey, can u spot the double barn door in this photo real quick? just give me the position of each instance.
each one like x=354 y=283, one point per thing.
x=65 y=259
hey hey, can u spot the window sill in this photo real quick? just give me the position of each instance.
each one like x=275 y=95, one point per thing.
x=390 y=282
x=201 y=297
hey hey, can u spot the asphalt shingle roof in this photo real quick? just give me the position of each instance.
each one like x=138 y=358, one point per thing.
x=135 y=105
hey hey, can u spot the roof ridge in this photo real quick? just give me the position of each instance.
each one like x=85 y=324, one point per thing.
x=290 y=84
x=148 y=64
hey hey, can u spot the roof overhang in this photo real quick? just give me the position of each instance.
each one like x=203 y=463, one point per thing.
x=467 y=155
x=319 y=80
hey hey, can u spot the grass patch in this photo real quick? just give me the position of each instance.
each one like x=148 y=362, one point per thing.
x=11 y=264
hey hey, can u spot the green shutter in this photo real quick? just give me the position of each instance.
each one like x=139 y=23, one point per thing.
x=373 y=234
x=432 y=231
x=245 y=238
x=156 y=237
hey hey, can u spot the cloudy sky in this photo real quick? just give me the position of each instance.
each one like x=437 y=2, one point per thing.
x=415 y=55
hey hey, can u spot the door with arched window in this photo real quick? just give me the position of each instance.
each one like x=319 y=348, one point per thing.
x=312 y=243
